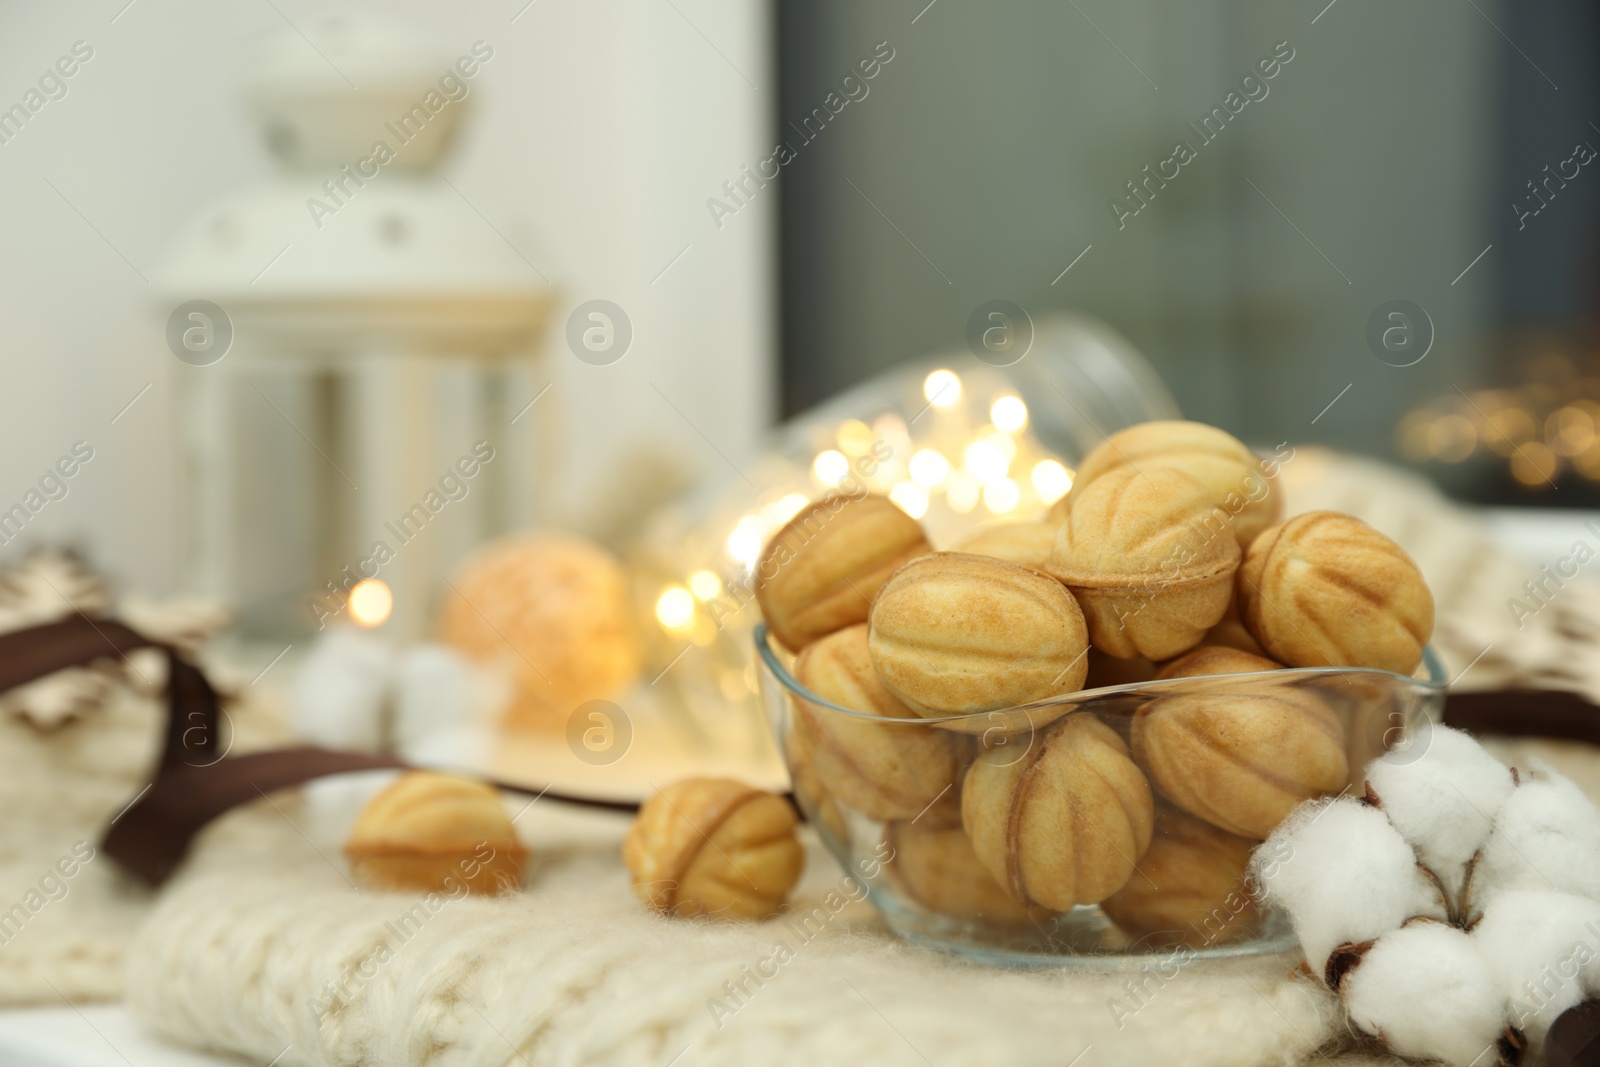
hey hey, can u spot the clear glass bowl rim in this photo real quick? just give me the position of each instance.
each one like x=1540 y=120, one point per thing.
x=1435 y=681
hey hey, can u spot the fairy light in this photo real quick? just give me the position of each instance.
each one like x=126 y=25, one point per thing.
x=781 y=511
x=1002 y=495
x=370 y=602
x=1051 y=480
x=984 y=461
x=929 y=468
x=962 y=495
x=744 y=543
x=854 y=436
x=1534 y=464
x=1452 y=438
x=829 y=468
x=1009 y=413
x=910 y=498
x=942 y=389
x=705 y=585
x=675 y=608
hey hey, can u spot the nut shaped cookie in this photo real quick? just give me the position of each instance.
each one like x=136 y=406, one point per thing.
x=1190 y=887
x=1025 y=543
x=1216 y=659
x=1063 y=823
x=1241 y=759
x=1326 y=590
x=883 y=771
x=1231 y=473
x=1149 y=559
x=714 y=846
x=821 y=571
x=953 y=634
x=430 y=831
x=935 y=866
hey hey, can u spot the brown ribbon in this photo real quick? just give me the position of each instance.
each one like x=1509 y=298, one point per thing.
x=193 y=785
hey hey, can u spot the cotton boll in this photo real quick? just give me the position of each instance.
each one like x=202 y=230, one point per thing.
x=1544 y=949
x=338 y=699
x=436 y=693
x=1428 y=993
x=1444 y=801
x=1343 y=874
x=1546 y=836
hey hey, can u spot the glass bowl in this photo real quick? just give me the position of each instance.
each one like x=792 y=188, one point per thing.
x=1185 y=897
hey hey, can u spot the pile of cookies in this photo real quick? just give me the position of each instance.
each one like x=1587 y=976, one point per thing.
x=1167 y=559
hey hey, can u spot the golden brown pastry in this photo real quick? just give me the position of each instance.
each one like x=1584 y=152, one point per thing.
x=1025 y=543
x=1063 y=823
x=1327 y=590
x=1241 y=759
x=1148 y=560
x=1216 y=659
x=1189 y=889
x=820 y=572
x=809 y=791
x=433 y=832
x=881 y=770
x=935 y=866
x=714 y=846
x=954 y=634
x=1231 y=473
x=554 y=611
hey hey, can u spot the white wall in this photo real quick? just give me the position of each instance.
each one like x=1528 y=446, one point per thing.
x=601 y=128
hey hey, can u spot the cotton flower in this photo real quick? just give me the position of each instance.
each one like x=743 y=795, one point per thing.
x=1427 y=992
x=1444 y=801
x=1455 y=909
x=1544 y=948
x=1343 y=874
x=1547 y=836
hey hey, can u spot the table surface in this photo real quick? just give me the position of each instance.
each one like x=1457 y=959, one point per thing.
x=105 y=1035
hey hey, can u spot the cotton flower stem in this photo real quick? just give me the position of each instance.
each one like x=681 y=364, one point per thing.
x=1438 y=886
x=1464 y=917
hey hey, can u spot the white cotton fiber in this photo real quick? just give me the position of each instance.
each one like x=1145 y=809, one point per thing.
x=338 y=699
x=436 y=694
x=1546 y=836
x=1343 y=874
x=1429 y=994
x=1543 y=947
x=1444 y=800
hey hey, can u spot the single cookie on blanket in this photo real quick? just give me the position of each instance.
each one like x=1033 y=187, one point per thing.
x=714 y=846
x=436 y=832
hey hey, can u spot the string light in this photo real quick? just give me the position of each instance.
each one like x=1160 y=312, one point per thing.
x=675 y=608
x=370 y=602
x=1534 y=464
x=929 y=468
x=962 y=495
x=705 y=585
x=1051 y=480
x=910 y=498
x=942 y=389
x=984 y=461
x=854 y=436
x=829 y=468
x=744 y=543
x=1001 y=495
x=1009 y=413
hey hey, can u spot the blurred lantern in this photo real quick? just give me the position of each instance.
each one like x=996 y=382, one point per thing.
x=956 y=443
x=371 y=413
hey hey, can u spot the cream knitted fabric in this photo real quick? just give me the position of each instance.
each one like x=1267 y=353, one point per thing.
x=575 y=971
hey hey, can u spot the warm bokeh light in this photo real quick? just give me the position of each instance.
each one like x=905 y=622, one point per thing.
x=943 y=389
x=744 y=543
x=370 y=602
x=705 y=585
x=984 y=461
x=854 y=436
x=1534 y=464
x=1570 y=430
x=962 y=495
x=929 y=468
x=910 y=498
x=829 y=468
x=1001 y=495
x=1509 y=427
x=675 y=608
x=781 y=511
x=1452 y=438
x=1051 y=480
x=1009 y=413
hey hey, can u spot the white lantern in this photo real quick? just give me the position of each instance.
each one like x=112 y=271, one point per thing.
x=362 y=335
